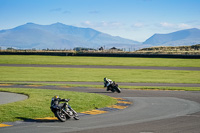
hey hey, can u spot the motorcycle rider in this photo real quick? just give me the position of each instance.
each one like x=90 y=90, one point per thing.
x=56 y=100
x=107 y=83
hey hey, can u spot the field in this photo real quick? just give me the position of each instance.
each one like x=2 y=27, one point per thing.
x=19 y=74
x=13 y=74
x=115 y=61
x=97 y=75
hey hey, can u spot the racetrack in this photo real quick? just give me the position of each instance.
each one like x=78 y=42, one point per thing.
x=124 y=84
x=151 y=112
x=148 y=107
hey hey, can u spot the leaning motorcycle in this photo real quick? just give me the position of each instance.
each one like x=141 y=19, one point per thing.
x=114 y=87
x=64 y=111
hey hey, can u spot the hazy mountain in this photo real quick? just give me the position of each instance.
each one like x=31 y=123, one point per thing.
x=59 y=36
x=182 y=37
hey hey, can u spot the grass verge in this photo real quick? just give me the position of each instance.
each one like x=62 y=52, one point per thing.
x=38 y=103
x=97 y=75
x=113 y=61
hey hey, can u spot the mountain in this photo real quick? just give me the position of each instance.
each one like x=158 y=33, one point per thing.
x=183 y=37
x=59 y=36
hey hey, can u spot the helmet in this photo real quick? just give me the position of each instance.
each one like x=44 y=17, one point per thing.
x=56 y=97
x=105 y=79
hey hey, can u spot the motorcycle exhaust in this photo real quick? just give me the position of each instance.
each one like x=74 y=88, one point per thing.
x=66 y=113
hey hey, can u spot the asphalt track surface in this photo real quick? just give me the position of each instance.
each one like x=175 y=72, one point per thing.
x=151 y=112
x=121 y=84
x=6 y=97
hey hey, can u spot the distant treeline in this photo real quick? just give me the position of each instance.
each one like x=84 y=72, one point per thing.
x=37 y=52
x=152 y=52
x=99 y=53
x=179 y=50
x=169 y=48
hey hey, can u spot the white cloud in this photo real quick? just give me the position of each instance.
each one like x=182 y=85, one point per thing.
x=105 y=24
x=87 y=23
x=166 y=24
x=138 y=25
x=102 y=24
x=184 y=26
x=175 y=26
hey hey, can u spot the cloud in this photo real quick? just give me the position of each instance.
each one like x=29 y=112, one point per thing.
x=184 y=26
x=66 y=12
x=94 y=12
x=102 y=24
x=60 y=10
x=86 y=24
x=167 y=25
x=109 y=24
x=138 y=25
x=175 y=26
x=56 y=10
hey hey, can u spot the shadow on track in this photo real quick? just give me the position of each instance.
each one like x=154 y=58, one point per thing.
x=36 y=120
x=102 y=92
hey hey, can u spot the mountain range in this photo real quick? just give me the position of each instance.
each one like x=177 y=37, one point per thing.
x=179 y=38
x=61 y=36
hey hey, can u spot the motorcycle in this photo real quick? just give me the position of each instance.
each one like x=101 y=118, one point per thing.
x=114 y=87
x=64 y=111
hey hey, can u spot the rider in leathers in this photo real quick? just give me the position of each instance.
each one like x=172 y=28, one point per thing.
x=56 y=100
x=107 y=83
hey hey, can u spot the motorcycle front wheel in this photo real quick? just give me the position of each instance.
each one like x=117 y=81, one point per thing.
x=60 y=115
x=76 y=117
x=118 y=89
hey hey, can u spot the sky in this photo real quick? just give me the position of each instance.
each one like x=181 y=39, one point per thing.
x=132 y=19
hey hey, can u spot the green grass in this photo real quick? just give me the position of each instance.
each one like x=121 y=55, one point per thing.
x=38 y=103
x=97 y=75
x=115 y=61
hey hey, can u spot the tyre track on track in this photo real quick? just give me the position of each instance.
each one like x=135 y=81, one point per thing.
x=120 y=83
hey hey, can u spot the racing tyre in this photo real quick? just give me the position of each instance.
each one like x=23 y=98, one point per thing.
x=113 y=90
x=61 y=116
x=76 y=117
x=118 y=89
